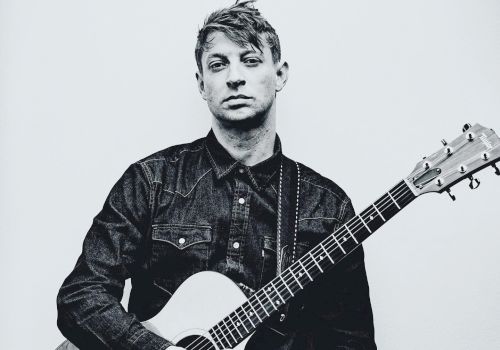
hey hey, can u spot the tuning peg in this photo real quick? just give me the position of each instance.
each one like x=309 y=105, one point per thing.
x=466 y=127
x=443 y=141
x=471 y=184
x=449 y=194
x=497 y=171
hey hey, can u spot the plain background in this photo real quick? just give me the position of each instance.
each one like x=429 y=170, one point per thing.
x=88 y=87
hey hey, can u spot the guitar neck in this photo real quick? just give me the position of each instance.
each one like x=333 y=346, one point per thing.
x=244 y=320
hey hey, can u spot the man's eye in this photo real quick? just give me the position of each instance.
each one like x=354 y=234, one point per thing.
x=216 y=66
x=252 y=61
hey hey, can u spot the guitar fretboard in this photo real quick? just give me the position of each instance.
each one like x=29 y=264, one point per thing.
x=244 y=320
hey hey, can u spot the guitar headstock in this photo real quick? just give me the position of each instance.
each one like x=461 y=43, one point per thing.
x=476 y=148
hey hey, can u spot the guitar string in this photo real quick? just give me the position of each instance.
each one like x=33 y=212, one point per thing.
x=309 y=263
x=327 y=243
x=237 y=314
x=310 y=260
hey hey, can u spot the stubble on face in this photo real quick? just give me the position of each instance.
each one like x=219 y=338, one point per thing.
x=239 y=83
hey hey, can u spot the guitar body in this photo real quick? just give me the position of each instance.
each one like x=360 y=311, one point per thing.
x=197 y=305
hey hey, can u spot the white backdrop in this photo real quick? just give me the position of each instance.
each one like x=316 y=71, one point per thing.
x=88 y=87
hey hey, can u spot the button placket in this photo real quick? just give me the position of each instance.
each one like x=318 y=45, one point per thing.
x=239 y=224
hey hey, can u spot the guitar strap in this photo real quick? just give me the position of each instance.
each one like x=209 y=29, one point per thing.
x=287 y=218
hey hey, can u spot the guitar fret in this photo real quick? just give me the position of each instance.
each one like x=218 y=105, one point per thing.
x=298 y=282
x=230 y=333
x=286 y=285
x=341 y=248
x=271 y=300
x=258 y=299
x=249 y=318
x=308 y=275
x=283 y=300
x=216 y=336
x=379 y=213
x=326 y=252
x=390 y=195
x=221 y=339
x=222 y=332
x=350 y=233
x=241 y=322
x=312 y=257
x=234 y=325
x=255 y=312
x=364 y=223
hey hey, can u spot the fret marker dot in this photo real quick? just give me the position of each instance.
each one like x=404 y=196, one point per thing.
x=371 y=217
x=277 y=302
x=250 y=313
x=321 y=257
x=345 y=239
x=238 y=324
x=300 y=274
x=268 y=289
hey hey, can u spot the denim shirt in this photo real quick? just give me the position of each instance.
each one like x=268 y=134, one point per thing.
x=191 y=208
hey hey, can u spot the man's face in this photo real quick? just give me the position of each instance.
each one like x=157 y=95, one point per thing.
x=239 y=83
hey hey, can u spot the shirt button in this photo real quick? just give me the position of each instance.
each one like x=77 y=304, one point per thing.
x=241 y=200
x=182 y=240
x=236 y=245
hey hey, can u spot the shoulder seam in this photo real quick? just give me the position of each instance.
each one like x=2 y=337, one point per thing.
x=146 y=172
x=176 y=156
x=326 y=189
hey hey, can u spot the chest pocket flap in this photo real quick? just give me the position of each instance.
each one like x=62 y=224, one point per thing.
x=182 y=236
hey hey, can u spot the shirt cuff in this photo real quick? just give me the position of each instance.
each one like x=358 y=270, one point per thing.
x=147 y=340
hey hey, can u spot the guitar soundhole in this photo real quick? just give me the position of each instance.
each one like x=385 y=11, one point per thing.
x=196 y=342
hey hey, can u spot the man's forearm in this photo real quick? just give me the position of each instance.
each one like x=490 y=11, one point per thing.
x=91 y=316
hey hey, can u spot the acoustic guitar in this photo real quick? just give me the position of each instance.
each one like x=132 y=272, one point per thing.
x=222 y=317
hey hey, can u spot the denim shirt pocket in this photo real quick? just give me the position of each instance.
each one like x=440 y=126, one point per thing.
x=178 y=251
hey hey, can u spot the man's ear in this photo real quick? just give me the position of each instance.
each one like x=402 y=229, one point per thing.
x=201 y=85
x=282 y=75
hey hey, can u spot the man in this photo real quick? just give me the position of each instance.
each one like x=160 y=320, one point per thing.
x=213 y=205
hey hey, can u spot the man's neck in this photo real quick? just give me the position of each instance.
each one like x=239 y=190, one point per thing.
x=247 y=146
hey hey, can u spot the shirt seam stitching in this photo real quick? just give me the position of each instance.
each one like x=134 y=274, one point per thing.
x=326 y=189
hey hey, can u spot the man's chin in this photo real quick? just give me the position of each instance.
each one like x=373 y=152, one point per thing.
x=241 y=119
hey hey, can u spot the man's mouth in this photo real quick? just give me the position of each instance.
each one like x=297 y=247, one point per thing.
x=236 y=97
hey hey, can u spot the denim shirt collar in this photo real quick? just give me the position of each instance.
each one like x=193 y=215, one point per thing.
x=223 y=164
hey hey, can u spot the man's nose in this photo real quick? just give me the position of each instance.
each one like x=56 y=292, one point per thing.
x=234 y=78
